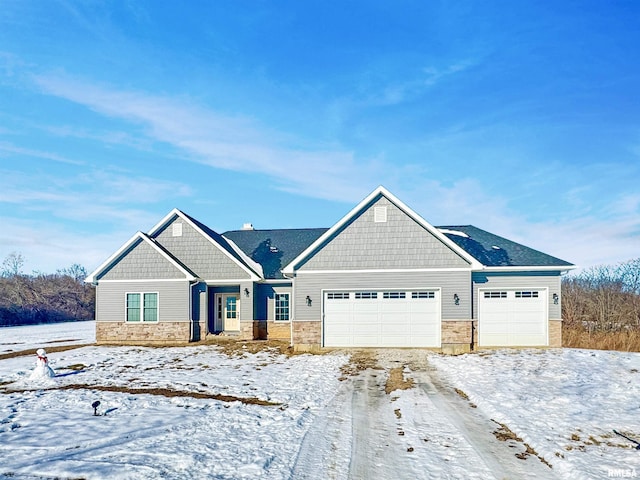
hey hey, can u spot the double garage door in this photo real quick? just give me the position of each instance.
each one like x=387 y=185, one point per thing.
x=515 y=318
x=382 y=318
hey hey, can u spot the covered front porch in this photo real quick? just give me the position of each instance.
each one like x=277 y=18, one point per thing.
x=225 y=309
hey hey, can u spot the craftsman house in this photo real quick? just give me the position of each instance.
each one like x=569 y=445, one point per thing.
x=382 y=276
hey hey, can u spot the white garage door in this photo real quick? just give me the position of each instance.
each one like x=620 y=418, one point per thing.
x=512 y=318
x=382 y=318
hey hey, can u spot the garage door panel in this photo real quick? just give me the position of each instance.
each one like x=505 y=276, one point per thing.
x=381 y=319
x=513 y=318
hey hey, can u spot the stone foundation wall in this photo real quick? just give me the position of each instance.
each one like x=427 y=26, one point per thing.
x=141 y=333
x=279 y=331
x=555 y=333
x=246 y=330
x=457 y=332
x=307 y=335
x=457 y=336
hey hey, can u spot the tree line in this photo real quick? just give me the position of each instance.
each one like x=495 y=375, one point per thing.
x=27 y=299
x=603 y=299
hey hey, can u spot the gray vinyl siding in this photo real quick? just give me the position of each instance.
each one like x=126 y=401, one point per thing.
x=197 y=252
x=400 y=242
x=450 y=283
x=173 y=300
x=511 y=280
x=246 y=302
x=142 y=262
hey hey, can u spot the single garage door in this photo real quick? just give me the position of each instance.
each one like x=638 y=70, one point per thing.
x=512 y=318
x=382 y=318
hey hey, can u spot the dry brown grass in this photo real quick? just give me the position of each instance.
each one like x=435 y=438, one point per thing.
x=360 y=360
x=396 y=381
x=235 y=347
x=32 y=351
x=164 y=392
x=575 y=337
x=504 y=433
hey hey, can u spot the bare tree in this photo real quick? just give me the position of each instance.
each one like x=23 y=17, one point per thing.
x=12 y=265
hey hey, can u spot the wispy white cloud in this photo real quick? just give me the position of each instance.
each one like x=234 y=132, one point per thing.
x=227 y=142
x=28 y=152
x=88 y=196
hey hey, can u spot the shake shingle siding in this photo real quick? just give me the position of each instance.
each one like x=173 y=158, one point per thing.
x=141 y=262
x=449 y=283
x=173 y=300
x=205 y=259
x=398 y=243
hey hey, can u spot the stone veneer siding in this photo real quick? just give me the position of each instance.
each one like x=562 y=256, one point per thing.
x=140 y=333
x=457 y=336
x=307 y=335
x=279 y=331
x=457 y=332
x=246 y=330
x=555 y=333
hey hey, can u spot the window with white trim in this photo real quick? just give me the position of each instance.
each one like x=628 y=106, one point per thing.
x=495 y=294
x=531 y=294
x=142 y=307
x=423 y=294
x=366 y=295
x=337 y=296
x=282 y=307
x=176 y=229
x=394 y=295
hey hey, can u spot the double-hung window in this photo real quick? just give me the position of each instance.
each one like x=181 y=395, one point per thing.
x=142 y=307
x=282 y=307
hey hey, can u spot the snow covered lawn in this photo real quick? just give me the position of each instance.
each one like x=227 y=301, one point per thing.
x=564 y=403
x=15 y=339
x=52 y=432
x=198 y=412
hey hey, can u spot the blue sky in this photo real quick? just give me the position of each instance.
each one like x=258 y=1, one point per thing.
x=522 y=118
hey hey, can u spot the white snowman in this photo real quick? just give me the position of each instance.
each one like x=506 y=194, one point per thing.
x=42 y=370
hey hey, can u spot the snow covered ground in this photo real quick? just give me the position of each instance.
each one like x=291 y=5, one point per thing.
x=13 y=339
x=267 y=415
x=565 y=403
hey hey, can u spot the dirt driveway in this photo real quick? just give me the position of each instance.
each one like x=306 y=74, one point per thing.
x=394 y=418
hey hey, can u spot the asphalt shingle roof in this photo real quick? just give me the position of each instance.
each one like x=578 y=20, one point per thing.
x=220 y=240
x=494 y=251
x=274 y=249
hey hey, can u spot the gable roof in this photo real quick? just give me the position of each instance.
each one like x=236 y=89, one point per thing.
x=498 y=252
x=228 y=248
x=273 y=249
x=363 y=205
x=92 y=277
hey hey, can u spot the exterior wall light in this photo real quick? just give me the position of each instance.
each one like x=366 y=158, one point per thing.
x=308 y=299
x=556 y=298
x=246 y=292
x=456 y=299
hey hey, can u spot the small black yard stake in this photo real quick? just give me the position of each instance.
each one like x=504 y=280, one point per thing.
x=630 y=439
x=95 y=406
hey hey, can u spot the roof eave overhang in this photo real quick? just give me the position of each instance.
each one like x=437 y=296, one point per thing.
x=527 y=268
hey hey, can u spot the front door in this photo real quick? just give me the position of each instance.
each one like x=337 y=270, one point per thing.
x=227 y=312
